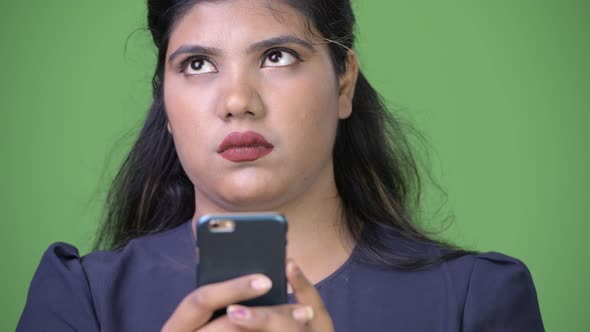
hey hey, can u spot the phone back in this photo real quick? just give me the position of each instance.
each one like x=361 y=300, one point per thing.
x=254 y=243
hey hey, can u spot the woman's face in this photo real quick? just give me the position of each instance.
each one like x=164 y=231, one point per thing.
x=253 y=104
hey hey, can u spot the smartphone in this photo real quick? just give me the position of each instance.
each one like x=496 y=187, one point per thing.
x=233 y=245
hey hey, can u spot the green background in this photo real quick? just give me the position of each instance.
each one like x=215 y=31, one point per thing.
x=500 y=89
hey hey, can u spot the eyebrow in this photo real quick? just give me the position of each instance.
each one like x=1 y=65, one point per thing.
x=267 y=43
x=192 y=49
x=280 y=40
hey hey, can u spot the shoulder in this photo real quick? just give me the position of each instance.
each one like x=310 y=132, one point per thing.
x=65 y=256
x=490 y=268
x=496 y=293
x=59 y=289
x=484 y=291
x=493 y=264
x=73 y=292
x=153 y=247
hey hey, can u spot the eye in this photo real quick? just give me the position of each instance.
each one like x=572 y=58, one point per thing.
x=198 y=66
x=280 y=58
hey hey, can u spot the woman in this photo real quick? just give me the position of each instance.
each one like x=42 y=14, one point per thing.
x=312 y=140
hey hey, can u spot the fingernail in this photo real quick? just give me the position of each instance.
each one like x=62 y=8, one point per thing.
x=303 y=315
x=238 y=312
x=261 y=283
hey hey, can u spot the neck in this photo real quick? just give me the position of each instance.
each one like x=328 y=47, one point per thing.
x=317 y=239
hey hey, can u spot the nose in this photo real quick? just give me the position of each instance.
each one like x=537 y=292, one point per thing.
x=241 y=98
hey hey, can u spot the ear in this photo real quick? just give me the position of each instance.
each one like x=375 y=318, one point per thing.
x=347 y=83
x=168 y=127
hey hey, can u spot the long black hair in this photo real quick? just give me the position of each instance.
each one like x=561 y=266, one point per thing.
x=376 y=172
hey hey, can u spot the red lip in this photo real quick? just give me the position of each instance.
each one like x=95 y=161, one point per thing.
x=247 y=146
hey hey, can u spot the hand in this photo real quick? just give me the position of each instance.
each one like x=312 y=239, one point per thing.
x=309 y=314
x=195 y=310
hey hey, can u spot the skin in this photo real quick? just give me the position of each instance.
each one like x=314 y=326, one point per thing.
x=197 y=308
x=288 y=92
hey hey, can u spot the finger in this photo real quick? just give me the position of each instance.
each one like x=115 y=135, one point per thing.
x=291 y=317
x=222 y=324
x=304 y=290
x=306 y=293
x=197 y=307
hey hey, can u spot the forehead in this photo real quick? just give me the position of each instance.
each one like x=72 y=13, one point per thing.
x=235 y=21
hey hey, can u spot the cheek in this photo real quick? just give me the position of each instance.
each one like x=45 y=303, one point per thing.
x=184 y=103
x=189 y=106
x=191 y=123
x=308 y=108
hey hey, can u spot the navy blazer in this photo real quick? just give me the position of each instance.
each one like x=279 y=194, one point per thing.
x=137 y=289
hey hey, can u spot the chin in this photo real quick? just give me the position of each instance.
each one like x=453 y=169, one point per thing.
x=252 y=194
x=251 y=203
